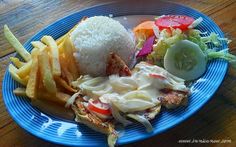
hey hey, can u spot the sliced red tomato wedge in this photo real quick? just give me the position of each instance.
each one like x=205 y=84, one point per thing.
x=174 y=21
x=99 y=107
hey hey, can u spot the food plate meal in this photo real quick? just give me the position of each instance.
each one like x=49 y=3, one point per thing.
x=101 y=76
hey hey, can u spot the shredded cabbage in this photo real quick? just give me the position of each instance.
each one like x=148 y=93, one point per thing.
x=140 y=40
x=156 y=31
x=167 y=38
x=195 y=23
x=223 y=55
x=215 y=39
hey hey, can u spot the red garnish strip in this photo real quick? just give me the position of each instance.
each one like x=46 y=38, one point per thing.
x=157 y=76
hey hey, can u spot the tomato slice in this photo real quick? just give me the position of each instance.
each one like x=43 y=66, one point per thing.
x=174 y=21
x=99 y=107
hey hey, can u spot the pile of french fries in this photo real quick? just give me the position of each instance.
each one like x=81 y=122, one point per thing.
x=46 y=72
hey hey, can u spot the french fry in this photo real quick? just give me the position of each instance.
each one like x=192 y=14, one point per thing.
x=60 y=48
x=37 y=50
x=17 y=62
x=59 y=98
x=68 y=52
x=31 y=87
x=64 y=84
x=45 y=72
x=26 y=79
x=16 y=44
x=24 y=70
x=20 y=91
x=38 y=44
x=13 y=71
x=60 y=40
x=65 y=73
x=56 y=68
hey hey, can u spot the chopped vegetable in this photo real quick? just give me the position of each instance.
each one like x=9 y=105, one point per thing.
x=147 y=47
x=141 y=120
x=157 y=76
x=166 y=40
x=72 y=99
x=186 y=60
x=223 y=55
x=174 y=21
x=138 y=94
x=93 y=84
x=144 y=29
x=132 y=105
x=195 y=23
x=102 y=110
x=194 y=36
x=214 y=38
x=111 y=140
x=182 y=28
x=118 y=117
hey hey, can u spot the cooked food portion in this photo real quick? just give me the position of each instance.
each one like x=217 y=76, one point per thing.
x=173 y=98
x=104 y=101
x=40 y=70
x=115 y=65
x=95 y=38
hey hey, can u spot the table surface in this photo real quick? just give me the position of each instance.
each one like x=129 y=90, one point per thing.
x=215 y=121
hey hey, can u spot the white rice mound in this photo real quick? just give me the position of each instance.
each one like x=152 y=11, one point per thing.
x=95 y=38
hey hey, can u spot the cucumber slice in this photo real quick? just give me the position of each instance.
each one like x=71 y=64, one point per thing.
x=186 y=60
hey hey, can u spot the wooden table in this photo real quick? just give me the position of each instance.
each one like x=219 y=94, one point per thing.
x=215 y=121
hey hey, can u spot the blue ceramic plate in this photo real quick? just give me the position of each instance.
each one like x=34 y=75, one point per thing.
x=67 y=132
